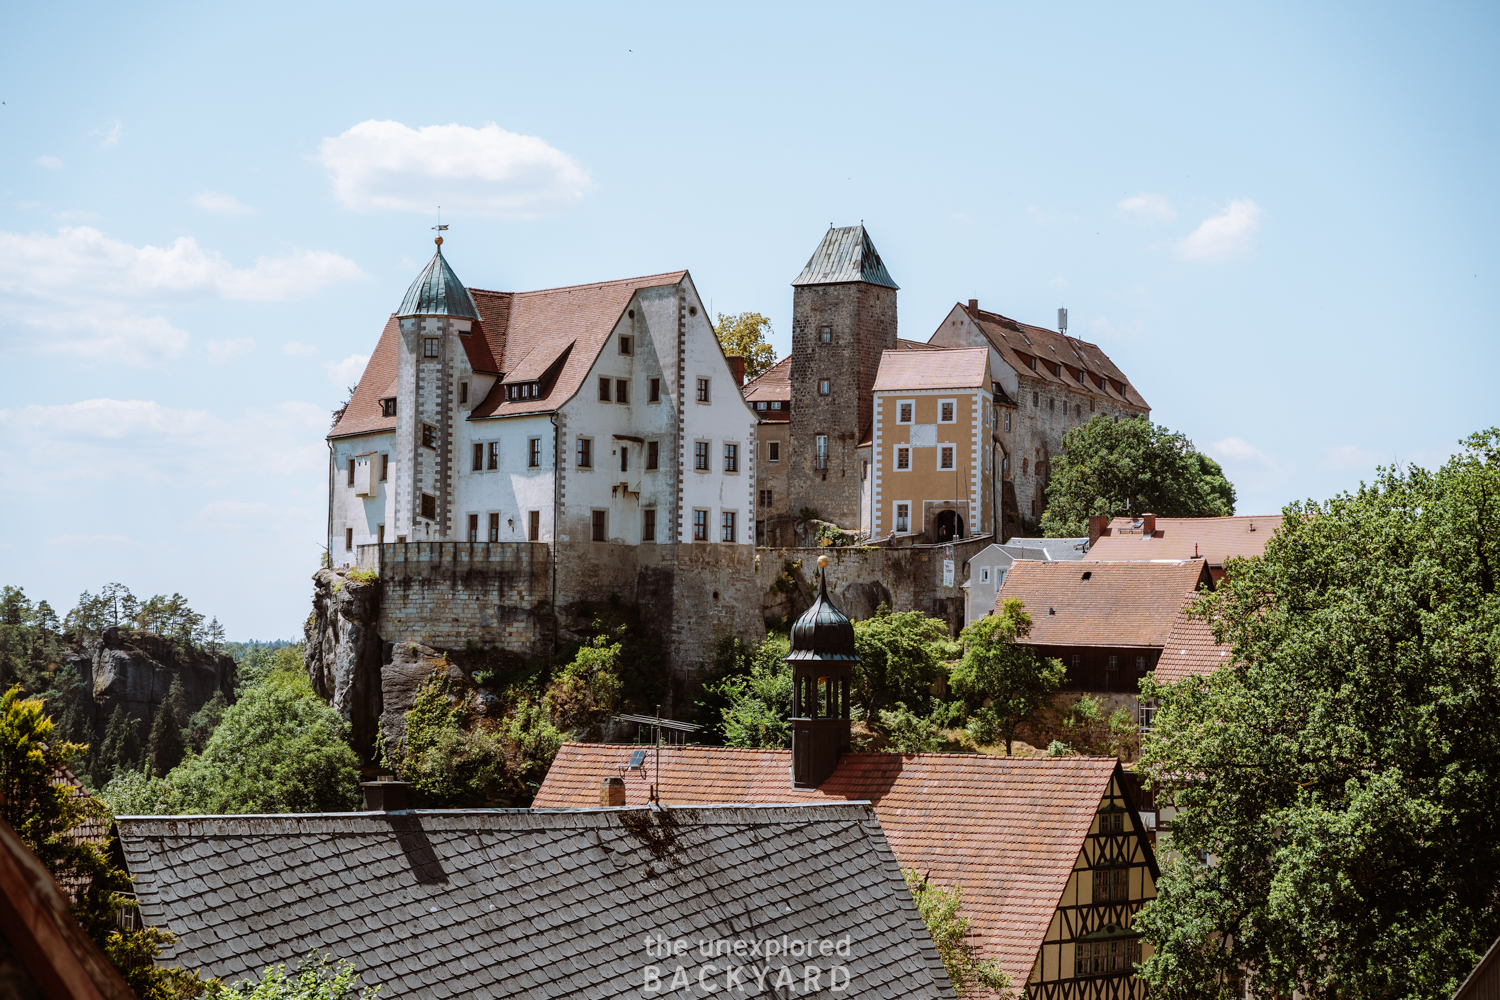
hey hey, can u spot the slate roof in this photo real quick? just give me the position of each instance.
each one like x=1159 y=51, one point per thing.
x=501 y=903
x=844 y=255
x=1102 y=604
x=1046 y=549
x=962 y=368
x=1213 y=538
x=1190 y=651
x=1007 y=829
x=438 y=292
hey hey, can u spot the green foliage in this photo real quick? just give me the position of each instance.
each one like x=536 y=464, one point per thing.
x=942 y=912
x=910 y=733
x=745 y=334
x=164 y=747
x=587 y=689
x=757 y=704
x=1004 y=677
x=1343 y=775
x=366 y=576
x=204 y=721
x=29 y=643
x=899 y=660
x=120 y=748
x=832 y=534
x=1109 y=467
x=317 y=977
x=1057 y=748
x=255 y=662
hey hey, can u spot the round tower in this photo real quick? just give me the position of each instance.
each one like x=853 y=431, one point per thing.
x=822 y=658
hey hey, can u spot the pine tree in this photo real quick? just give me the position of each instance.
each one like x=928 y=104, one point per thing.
x=177 y=698
x=164 y=747
x=205 y=721
x=119 y=750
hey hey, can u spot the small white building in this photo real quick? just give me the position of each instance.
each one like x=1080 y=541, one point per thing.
x=988 y=567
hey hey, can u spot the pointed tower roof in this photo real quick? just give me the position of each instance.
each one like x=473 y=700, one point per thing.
x=438 y=292
x=823 y=633
x=845 y=255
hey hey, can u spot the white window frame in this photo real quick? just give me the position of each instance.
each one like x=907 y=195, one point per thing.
x=773 y=451
x=898 y=515
x=903 y=459
x=911 y=415
x=951 y=402
x=950 y=453
x=984 y=574
x=825 y=387
x=820 y=452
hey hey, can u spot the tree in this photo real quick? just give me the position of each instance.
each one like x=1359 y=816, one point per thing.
x=1343 y=775
x=204 y=721
x=1001 y=675
x=898 y=660
x=164 y=747
x=120 y=749
x=942 y=912
x=745 y=335
x=317 y=977
x=756 y=706
x=1133 y=465
x=587 y=689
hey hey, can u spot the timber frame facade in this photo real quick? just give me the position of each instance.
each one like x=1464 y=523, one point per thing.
x=1091 y=947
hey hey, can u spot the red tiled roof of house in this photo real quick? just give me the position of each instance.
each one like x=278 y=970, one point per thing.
x=566 y=326
x=1212 y=538
x=961 y=368
x=1007 y=829
x=1102 y=604
x=362 y=415
x=773 y=383
x=903 y=344
x=1190 y=651
x=1016 y=342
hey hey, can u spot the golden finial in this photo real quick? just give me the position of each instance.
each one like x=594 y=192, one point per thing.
x=823 y=562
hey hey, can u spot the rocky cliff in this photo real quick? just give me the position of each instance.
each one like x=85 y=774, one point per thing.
x=343 y=652
x=136 y=670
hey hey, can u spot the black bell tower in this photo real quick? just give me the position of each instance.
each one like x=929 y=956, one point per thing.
x=822 y=659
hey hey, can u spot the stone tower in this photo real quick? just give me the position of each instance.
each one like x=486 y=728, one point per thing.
x=822 y=656
x=843 y=317
x=435 y=316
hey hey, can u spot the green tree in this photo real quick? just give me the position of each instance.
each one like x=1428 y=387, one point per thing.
x=204 y=721
x=1133 y=465
x=756 y=706
x=164 y=747
x=1002 y=676
x=942 y=912
x=898 y=660
x=317 y=977
x=909 y=732
x=120 y=749
x=1343 y=776
x=587 y=689
x=745 y=334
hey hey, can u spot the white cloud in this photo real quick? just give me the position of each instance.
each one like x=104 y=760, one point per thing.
x=297 y=349
x=1147 y=207
x=107 y=137
x=220 y=203
x=1058 y=282
x=480 y=171
x=1101 y=328
x=1233 y=449
x=93 y=542
x=50 y=162
x=87 y=291
x=1222 y=236
x=347 y=372
x=1351 y=456
x=220 y=351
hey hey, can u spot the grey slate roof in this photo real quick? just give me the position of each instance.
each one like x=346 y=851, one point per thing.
x=1047 y=549
x=501 y=903
x=438 y=292
x=845 y=255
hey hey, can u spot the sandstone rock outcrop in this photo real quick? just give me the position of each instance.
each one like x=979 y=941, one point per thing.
x=343 y=652
x=136 y=670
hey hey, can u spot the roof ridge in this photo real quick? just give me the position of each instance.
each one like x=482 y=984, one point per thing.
x=587 y=284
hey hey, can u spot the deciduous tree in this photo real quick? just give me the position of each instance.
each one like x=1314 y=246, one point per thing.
x=942 y=912
x=745 y=334
x=899 y=660
x=1000 y=676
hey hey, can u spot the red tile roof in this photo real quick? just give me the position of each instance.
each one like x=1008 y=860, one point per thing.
x=1190 y=651
x=1102 y=604
x=1213 y=538
x=961 y=368
x=916 y=345
x=773 y=383
x=1007 y=829
x=362 y=415
x=1016 y=342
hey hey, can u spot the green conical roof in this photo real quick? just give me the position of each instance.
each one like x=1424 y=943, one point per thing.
x=438 y=292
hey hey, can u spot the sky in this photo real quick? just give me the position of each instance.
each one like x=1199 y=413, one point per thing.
x=1277 y=219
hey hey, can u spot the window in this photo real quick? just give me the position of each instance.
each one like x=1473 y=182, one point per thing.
x=945 y=457
x=825 y=335
x=653 y=455
x=773 y=451
x=463 y=392
x=599 y=525
x=905 y=411
x=624 y=457
x=1077 y=661
x=1114 y=663
x=429 y=507
x=1032 y=363
x=903 y=517
x=473 y=527
x=351 y=472
x=825 y=387
x=604 y=385
x=703 y=390
x=348 y=539
x=1025 y=465
x=760 y=404
x=534 y=459
x=627 y=345
x=1140 y=664
x=726 y=526
x=429 y=347
x=1091 y=406
x=429 y=436
x=1005 y=464
x=385 y=467
x=494 y=527
x=622 y=391
x=1007 y=421
x=388 y=407
x=984 y=575
x=1148 y=718
x=947 y=411
x=903 y=458
x=1033 y=399
x=864 y=471
x=731 y=458
x=494 y=455
x=766 y=499
x=776 y=404
x=1051 y=405
x=380 y=533
x=585 y=453
x=821 y=458
x=700 y=525
x=478 y=462
x=700 y=456
x=534 y=525
x=648 y=525
x=655 y=395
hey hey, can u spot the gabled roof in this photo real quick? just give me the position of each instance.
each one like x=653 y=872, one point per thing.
x=1047 y=549
x=1102 y=604
x=1007 y=829
x=1212 y=538
x=1190 y=651
x=363 y=414
x=535 y=904
x=773 y=383
x=845 y=255
x=962 y=368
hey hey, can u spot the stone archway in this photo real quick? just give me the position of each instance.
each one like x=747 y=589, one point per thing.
x=945 y=523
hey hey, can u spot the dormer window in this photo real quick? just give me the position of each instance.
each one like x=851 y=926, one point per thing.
x=1032 y=362
x=388 y=407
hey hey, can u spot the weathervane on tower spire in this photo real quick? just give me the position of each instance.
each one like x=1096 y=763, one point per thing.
x=439 y=227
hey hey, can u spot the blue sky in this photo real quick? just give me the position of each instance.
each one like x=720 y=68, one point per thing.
x=1278 y=220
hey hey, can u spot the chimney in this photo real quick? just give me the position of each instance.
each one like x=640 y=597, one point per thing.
x=385 y=795
x=1062 y=321
x=974 y=308
x=737 y=369
x=1097 y=527
x=1148 y=525
x=612 y=791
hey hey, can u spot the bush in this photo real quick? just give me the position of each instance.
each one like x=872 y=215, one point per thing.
x=318 y=977
x=757 y=706
x=909 y=733
x=587 y=689
x=941 y=911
